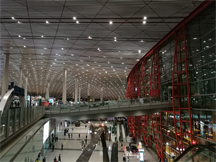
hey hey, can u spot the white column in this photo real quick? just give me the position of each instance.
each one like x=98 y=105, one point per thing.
x=64 y=87
x=47 y=91
x=79 y=94
x=73 y=95
x=76 y=90
x=5 y=75
x=88 y=91
x=20 y=78
x=101 y=98
x=26 y=90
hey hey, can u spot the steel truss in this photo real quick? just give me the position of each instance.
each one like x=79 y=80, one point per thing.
x=145 y=129
x=136 y=83
x=155 y=75
x=131 y=125
x=157 y=133
x=180 y=92
x=143 y=79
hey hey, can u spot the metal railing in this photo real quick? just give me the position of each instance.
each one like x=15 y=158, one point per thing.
x=106 y=105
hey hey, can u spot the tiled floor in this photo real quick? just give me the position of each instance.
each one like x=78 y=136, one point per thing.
x=72 y=148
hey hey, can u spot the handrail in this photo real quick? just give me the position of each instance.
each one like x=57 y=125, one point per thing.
x=26 y=141
x=88 y=150
x=194 y=146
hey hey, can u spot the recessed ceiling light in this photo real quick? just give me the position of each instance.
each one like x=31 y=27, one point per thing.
x=144 y=17
x=67 y=38
x=45 y=48
x=24 y=38
x=194 y=38
x=19 y=35
x=122 y=62
x=24 y=46
x=47 y=22
x=42 y=36
x=13 y=18
x=74 y=18
x=41 y=53
x=19 y=22
x=62 y=48
x=144 y=22
x=77 y=22
x=89 y=37
x=110 y=22
x=141 y=41
x=115 y=40
x=114 y=37
x=139 y=51
x=72 y=54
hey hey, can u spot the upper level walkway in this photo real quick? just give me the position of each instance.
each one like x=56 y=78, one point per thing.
x=107 y=109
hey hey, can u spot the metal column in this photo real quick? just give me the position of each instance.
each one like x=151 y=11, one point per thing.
x=180 y=91
x=155 y=75
x=157 y=133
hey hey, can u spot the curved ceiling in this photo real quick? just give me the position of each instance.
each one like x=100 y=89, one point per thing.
x=98 y=41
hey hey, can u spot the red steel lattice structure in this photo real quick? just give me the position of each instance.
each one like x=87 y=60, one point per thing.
x=143 y=79
x=180 y=93
x=157 y=133
x=145 y=129
x=130 y=88
x=131 y=125
x=155 y=75
x=137 y=83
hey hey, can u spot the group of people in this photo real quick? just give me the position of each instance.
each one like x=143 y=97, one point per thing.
x=59 y=158
x=84 y=141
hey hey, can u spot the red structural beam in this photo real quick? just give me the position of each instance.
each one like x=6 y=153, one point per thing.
x=186 y=19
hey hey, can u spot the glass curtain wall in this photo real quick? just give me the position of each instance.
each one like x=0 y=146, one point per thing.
x=201 y=55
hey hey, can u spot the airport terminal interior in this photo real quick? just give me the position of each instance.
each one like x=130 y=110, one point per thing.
x=108 y=81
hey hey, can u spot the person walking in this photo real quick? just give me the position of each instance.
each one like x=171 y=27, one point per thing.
x=44 y=159
x=71 y=135
x=53 y=148
x=86 y=136
x=62 y=146
x=79 y=135
x=59 y=158
x=55 y=160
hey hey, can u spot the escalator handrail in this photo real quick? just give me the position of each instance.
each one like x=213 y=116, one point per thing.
x=4 y=100
x=193 y=146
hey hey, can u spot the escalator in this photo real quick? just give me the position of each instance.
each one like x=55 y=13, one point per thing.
x=198 y=153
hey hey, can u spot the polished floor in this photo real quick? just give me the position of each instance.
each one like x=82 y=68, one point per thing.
x=73 y=149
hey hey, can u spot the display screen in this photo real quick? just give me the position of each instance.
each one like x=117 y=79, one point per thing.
x=51 y=100
x=46 y=131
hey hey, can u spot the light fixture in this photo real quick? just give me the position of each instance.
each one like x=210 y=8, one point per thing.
x=141 y=41
x=42 y=36
x=89 y=37
x=47 y=22
x=139 y=51
x=24 y=46
x=74 y=18
x=23 y=38
x=19 y=35
x=110 y=22
x=67 y=38
x=144 y=17
x=77 y=22
x=115 y=40
x=144 y=22
x=19 y=22
x=62 y=48
x=13 y=18
x=72 y=54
